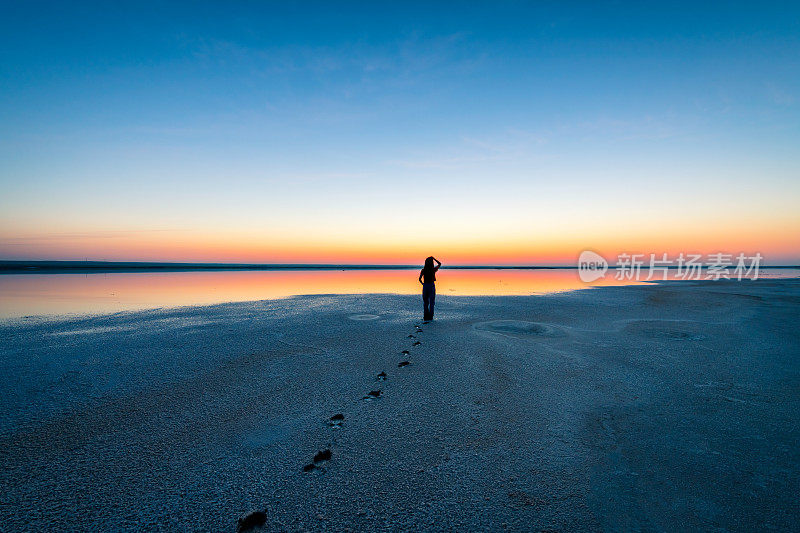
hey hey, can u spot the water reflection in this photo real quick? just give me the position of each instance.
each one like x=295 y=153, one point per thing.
x=59 y=294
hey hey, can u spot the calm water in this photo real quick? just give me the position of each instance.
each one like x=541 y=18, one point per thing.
x=71 y=294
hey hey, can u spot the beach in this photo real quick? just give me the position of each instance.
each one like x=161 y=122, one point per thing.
x=659 y=407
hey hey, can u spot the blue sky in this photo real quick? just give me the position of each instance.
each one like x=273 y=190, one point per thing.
x=355 y=125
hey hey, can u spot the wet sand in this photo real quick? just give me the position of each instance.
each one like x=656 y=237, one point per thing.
x=662 y=407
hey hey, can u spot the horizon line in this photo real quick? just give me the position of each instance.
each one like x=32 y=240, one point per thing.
x=98 y=266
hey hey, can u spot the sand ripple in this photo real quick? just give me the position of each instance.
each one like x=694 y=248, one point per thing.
x=364 y=317
x=677 y=330
x=521 y=328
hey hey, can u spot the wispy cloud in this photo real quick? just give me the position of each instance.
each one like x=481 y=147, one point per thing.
x=517 y=145
x=401 y=62
x=442 y=163
x=87 y=235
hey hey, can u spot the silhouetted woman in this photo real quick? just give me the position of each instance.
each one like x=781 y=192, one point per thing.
x=427 y=276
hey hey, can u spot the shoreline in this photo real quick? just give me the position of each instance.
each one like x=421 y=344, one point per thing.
x=12 y=320
x=99 y=267
x=572 y=410
x=82 y=267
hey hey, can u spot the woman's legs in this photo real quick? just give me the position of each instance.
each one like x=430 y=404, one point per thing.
x=428 y=300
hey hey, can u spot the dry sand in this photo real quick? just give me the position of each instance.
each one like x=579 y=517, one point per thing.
x=666 y=407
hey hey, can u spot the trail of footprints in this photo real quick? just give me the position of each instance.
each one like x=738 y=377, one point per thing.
x=337 y=420
x=257 y=519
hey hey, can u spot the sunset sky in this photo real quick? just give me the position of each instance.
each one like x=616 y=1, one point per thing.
x=363 y=133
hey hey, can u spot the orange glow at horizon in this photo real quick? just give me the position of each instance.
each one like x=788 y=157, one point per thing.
x=774 y=247
x=777 y=239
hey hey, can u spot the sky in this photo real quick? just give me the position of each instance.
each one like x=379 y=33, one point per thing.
x=481 y=133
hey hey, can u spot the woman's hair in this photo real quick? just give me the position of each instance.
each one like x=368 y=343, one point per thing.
x=428 y=268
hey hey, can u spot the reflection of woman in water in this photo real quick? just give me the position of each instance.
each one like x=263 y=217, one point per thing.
x=427 y=276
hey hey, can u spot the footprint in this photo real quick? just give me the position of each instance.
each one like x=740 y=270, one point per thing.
x=401 y=364
x=336 y=420
x=371 y=395
x=382 y=376
x=416 y=343
x=254 y=520
x=323 y=455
